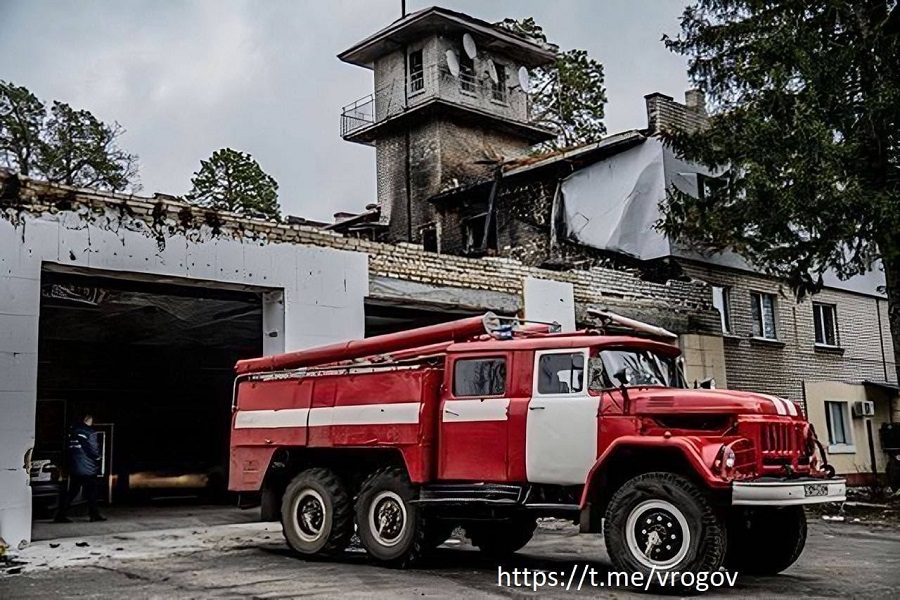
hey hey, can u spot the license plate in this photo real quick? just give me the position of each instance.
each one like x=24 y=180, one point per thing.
x=815 y=489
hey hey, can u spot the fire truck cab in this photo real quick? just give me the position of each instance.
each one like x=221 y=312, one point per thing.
x=488 y=424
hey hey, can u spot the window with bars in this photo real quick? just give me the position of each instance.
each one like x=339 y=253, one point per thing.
x=416 y=72
x=825 y=321
x=762 y=309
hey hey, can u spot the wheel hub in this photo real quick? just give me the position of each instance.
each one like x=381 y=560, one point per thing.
x=310 y=515
x=387 y=518
x=657 y=534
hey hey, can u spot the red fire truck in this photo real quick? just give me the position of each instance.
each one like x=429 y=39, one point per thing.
x=489 y=424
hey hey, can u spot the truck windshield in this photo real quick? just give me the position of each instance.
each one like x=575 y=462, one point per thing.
x=636 y=367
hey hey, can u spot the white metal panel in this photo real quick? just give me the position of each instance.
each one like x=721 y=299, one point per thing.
x=550 y=301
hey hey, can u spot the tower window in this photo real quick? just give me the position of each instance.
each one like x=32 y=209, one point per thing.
x=416 y=72
x=498 y=90
x=466 y=73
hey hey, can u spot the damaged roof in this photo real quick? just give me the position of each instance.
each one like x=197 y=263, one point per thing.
x=574 y=158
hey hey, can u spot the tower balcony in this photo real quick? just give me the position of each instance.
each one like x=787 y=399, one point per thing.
x=436 y=90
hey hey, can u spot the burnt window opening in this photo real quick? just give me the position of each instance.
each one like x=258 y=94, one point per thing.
x=466 y=73
x=416 y=72
x=479 y=377
x=498 y=90
x=711 y=188
x=473 y=233
x=430 y=239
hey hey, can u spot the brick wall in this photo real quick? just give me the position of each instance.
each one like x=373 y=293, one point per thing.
x=443 y=154
x=781 y=368
x=664 y=113
x=684 y=307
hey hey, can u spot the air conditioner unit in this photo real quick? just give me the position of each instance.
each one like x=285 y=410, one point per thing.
x=865 y=408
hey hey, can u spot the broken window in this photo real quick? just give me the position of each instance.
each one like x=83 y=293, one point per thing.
x=430 y=239
x=479 y=377
x=473 y=233
x=498 y=90
x=825 y=323
x=466 y=73
x=722 y=303
x=416 y=72
x=762 y=308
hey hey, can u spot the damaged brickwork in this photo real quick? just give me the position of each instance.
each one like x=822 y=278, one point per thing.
x=682 y=306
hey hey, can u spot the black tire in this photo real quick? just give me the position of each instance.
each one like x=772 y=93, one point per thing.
x=326 y=524
x=765 y=541
x=502 y=538
x=399 y=538
x=655 y=508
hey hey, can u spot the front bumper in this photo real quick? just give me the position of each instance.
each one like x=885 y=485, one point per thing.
x=788 y=492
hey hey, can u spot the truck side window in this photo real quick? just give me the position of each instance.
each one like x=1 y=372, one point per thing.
x=479 y=377
x=561 y=373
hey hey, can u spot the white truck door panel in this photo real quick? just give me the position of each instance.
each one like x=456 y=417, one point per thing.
x=561 y=432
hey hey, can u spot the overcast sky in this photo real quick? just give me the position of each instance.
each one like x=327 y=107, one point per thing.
x=188 y=77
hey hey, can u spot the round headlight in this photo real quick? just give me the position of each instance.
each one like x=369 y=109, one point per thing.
x=728 y=458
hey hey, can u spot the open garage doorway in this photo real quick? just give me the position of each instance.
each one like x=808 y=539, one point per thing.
x=154 y=364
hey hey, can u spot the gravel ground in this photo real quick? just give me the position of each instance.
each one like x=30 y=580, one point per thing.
x=842 y=560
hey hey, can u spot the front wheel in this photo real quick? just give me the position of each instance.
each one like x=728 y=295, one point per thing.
x=765 y=541
x=663 y=522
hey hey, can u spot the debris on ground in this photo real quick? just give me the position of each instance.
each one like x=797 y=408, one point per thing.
x=82 y=544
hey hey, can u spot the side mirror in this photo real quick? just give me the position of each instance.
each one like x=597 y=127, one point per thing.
x=622 y=376
x=578 y=361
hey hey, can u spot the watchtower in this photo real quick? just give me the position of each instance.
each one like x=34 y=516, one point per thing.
x=450 y=102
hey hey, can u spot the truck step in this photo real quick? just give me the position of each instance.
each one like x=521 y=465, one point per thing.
x=465 y=493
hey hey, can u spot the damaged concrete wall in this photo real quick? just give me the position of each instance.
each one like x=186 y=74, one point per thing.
x=316 y=293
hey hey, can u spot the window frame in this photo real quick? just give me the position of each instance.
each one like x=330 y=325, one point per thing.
x=468 y=83
x=725 y=311
x=762 y=318
x=818 y=320
x=585 y=384
x=416 y=78
x=502 y=357
x=499 y=92
x=847 y=446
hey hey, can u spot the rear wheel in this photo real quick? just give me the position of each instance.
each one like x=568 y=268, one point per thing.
x=663 y=522
x=390 y=525
x=499 y=539
x=316 y=514
x=765 y=541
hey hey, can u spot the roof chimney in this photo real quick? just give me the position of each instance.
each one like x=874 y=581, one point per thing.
x=695 y=100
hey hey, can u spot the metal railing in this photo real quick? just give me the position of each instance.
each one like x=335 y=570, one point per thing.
x=432 y=82
x=357 y=115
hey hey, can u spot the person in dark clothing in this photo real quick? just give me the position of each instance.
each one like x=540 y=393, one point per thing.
x=84 y=460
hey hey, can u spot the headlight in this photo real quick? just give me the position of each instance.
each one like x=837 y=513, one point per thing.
x=728 y=457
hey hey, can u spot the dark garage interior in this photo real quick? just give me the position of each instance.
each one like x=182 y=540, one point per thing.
x=153 y=363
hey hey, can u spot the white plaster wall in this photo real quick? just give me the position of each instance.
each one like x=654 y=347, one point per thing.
x=318 y=298
x=550 y=301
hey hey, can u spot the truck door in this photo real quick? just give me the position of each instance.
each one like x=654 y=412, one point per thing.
x=561 y=427
x=474 y=421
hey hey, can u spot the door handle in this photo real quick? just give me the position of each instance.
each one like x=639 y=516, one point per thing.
x=536 y=407
x=450 y=412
